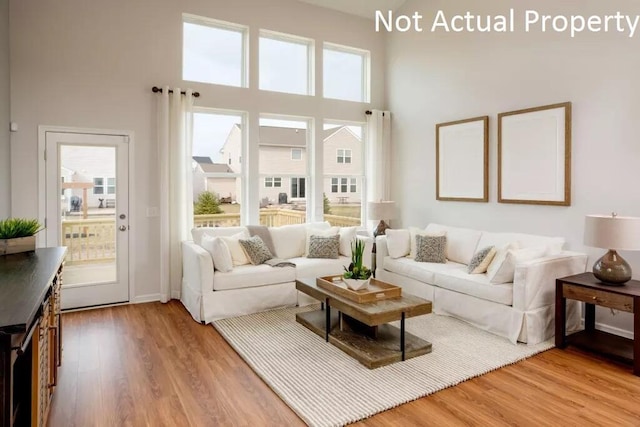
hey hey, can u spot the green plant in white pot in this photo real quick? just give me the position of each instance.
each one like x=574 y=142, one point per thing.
x=357 y=276
x=18 y=235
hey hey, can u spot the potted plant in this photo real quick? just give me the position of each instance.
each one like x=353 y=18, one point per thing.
x=357 y=276
x=18 y=235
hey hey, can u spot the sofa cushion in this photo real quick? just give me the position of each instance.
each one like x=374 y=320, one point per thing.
x=398 y=242
x=431 y=249
x=290 y=241
x=249 y=276
x=235 y=248
x=554 y=244
x=198 y=232
x=476 y=285
x=320 y=232
x=324 y=247
x=316 y=267
x=256 y=250
x=347 y=236
x=219 y=252
x=481 y=260
x=422 y=271
x=505 y=271
x=414 y=232
x=461 y=242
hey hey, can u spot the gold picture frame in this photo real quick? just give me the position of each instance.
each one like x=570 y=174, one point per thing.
x=534 y=155
x=462 y=160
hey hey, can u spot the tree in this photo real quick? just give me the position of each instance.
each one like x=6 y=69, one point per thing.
x=325 y=202
x=207 y=204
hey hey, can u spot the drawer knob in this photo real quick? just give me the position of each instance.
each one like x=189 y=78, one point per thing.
x=594 y=298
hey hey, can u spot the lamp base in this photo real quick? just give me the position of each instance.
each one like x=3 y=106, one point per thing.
x=380 y=230
x=612 y=269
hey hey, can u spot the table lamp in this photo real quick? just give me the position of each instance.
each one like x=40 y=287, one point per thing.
x=614 y=233
x=382 y=210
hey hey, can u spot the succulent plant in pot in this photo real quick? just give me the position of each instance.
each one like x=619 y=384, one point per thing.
x=18 y=235
x=357 y=276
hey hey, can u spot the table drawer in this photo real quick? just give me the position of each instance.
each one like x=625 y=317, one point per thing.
x=602 y=298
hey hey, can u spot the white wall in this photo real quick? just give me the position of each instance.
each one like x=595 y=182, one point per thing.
x=90 y=63
x=5 y=113
x=434 y=78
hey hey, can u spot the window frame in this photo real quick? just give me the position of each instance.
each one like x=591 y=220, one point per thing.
x=275 y=181
x=344 y=156
x=298 y=187
x=366 y=69
x=294 y=39
x=221 y=25
x=100 y=186
x=299 y=150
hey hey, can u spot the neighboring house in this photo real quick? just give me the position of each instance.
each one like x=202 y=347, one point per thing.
x=283 y=163
x=94 y=166
x=223 y=187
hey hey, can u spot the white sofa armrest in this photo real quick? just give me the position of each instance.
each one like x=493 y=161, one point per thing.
x=382 y=251
x=368 y=250
x=197 y=277
x=534 y=283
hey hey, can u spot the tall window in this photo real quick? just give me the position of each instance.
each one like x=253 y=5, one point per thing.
x=213 y=51
x=285 y=63
x=298 y=188
x=216 y=168
x=346 y=73
x=344 y=156
x=343 y=172
x=98 y=185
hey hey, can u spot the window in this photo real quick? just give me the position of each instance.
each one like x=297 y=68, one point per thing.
x=213 y=51
x=296 y=154
x=285 y=63
x=334 y=185
x=111 y=186
x=273 y=182
x=344 y=156
x=298 y=189
x=346 y=73
x=343 y=185
x=98 y=185
x=218 y=142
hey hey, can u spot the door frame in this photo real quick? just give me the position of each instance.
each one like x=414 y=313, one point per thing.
x=42 y=196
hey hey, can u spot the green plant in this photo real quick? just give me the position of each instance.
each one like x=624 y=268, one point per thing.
x=356 y=270
x=207 y=204
x=325 y=202
x=12 y=228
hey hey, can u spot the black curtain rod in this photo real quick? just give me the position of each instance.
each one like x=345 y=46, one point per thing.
x=157 y=89
x=369 y=112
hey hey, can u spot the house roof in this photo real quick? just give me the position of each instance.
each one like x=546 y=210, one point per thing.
x=207 y=165
x=202 y=160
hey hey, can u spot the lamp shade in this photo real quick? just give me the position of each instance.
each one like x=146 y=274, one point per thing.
x=612 y=232
x=382 y=210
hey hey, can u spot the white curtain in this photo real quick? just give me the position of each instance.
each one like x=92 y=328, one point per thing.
x=175 y=125
x=378 y=156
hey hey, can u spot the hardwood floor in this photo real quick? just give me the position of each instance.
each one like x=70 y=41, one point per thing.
x=152 y=365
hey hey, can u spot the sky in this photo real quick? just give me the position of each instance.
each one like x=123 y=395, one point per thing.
x=214 y=55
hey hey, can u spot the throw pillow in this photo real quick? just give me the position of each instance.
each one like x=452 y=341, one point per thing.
x=256 y=250
x=499 y=258
x=505 y=273
x=347 y=235
x=328 y=232
x=431 y=249
x=398 y=243
x=219 y=252
x=324 y=247
x=235 y=248
x=414 y=232
x=481 y=260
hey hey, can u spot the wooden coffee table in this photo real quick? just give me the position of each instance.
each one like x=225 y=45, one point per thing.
x=362 y=330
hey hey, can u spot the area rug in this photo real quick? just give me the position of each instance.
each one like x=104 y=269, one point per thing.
x=326 y=387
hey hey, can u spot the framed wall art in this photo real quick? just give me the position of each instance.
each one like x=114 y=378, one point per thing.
x=462 y=160
x=534 y=155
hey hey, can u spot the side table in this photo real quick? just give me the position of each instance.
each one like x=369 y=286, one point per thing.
x=586 y=288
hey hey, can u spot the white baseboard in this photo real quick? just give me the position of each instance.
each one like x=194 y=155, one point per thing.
x=140 y=299
x=612 y=330
x=175 y=294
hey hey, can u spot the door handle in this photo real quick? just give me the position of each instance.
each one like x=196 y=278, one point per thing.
x=123 y=228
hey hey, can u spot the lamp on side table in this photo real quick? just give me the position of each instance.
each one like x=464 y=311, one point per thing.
x=382 y=210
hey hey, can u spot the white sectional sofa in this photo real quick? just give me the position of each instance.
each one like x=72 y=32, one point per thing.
x=520 y=311
x=210 y=294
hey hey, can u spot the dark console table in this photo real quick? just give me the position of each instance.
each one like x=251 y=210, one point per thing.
x=30 y=334
x=586 y=288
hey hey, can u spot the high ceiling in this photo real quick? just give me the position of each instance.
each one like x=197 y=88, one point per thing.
x=364 y=8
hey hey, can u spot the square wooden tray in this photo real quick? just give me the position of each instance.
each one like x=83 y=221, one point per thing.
x=376 y=291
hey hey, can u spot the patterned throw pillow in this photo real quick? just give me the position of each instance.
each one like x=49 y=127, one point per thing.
x=256 y=250
x=324 y=247
x=481 y=260
x=431 y=249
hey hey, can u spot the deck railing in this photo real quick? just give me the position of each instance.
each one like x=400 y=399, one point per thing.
x=94 y=240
